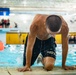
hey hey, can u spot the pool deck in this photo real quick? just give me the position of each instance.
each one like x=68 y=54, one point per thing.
x=36 y=71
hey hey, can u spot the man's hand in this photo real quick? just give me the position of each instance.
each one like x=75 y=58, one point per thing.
x=69 y=67
x=25 y=68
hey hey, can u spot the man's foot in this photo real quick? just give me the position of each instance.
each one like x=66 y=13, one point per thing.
x=39 y=58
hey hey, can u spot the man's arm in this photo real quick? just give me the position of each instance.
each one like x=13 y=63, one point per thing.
x=65 y=31
x=64 y=49
x=29 y=49
x=31 y=40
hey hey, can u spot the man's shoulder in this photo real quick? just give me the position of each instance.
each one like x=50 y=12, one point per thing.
x=39 y=18
x=40 y=15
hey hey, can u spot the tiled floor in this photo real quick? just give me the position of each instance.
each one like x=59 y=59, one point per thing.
x=37 y=71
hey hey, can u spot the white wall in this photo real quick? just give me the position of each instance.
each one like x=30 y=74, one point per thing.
x=71 y=21
x=24 y=21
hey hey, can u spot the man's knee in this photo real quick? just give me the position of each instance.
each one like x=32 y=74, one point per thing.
x=49 y=66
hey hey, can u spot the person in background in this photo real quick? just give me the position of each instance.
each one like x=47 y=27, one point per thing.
x=41 y=39
x=74 y=39
x=16 y=26
x=7 y=23
x=1 y=46
x=71 y=39
x=2 y=23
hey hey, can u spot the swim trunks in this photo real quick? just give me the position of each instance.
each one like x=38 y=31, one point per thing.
x=45 y=47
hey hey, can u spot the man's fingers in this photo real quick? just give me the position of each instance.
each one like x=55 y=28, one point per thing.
x=19 y=69
x=24 y=69
x=70 y=68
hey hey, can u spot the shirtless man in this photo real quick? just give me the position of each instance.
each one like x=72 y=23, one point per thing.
x=41 y=38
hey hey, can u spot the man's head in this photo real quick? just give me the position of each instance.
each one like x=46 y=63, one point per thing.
x=53 y=23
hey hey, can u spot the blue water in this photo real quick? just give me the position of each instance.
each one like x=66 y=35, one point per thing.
x=12 y=56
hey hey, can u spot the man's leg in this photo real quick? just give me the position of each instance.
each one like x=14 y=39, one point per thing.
x=49 y=53
x=48 y=63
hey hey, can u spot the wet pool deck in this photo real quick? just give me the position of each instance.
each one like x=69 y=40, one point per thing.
x=36 y=71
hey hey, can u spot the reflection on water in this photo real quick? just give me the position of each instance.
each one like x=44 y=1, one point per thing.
x=12 y=56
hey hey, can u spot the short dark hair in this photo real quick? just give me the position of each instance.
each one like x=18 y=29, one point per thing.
x=53 y=22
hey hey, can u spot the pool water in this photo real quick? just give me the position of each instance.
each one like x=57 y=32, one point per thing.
x=12 y=56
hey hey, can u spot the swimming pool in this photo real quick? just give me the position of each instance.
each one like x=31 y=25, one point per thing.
x=12 y=56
